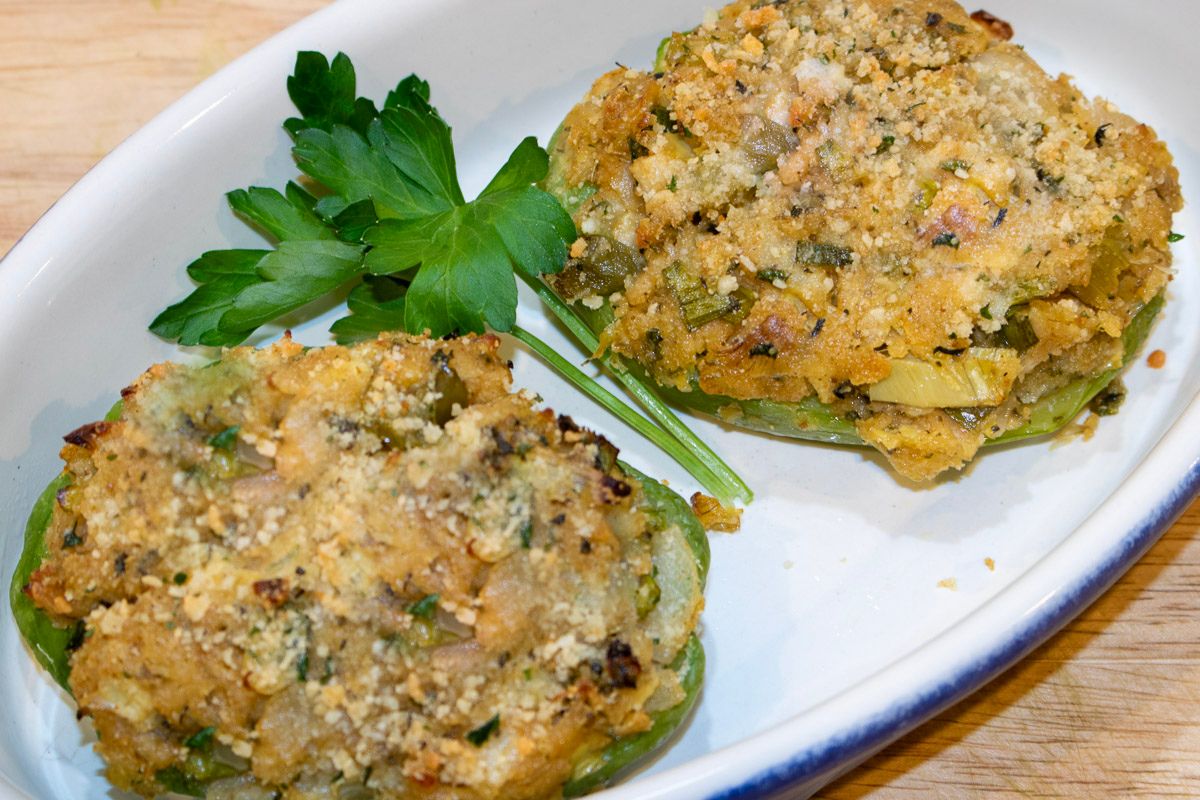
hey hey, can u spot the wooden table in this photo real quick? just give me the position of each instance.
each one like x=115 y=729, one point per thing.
x=1109 y=708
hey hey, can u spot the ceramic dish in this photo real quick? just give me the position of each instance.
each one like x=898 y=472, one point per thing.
x=830 y=626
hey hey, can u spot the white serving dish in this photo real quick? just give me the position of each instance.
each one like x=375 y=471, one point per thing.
x=826 y=630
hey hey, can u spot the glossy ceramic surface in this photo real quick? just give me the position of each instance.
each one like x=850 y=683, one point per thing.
x=829 y=628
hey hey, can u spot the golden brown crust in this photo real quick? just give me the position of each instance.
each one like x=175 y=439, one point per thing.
x=344 y=562
x=947 y=176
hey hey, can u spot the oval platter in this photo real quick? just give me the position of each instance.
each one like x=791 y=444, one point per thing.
x=829 y=628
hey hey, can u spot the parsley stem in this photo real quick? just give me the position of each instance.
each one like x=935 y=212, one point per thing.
x=620 y=409
x=732 y=485
x=725 y=484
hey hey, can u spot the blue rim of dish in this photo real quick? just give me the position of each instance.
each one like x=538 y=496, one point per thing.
x=849 y=747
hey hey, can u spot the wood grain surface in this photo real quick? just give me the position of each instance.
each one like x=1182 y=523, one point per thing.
x=1108 y=708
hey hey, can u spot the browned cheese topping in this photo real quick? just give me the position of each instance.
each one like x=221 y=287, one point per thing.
x=813 y=191
x=371 y=567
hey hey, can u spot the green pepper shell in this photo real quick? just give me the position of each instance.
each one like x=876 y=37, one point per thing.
x=813 y=420
x=52 y=644
x=601 y=768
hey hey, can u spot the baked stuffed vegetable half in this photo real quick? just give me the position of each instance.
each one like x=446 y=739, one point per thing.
x=875 y=222
x=365 y=572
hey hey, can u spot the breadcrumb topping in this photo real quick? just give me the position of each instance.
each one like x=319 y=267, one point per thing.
x=871 y=181
x=367 y=567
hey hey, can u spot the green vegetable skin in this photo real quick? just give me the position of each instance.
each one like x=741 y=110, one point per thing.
x=810 y=418
x=51 y=644
x=600 y=768
x=813 y=420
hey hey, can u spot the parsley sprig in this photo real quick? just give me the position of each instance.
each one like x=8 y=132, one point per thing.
x=381 y=212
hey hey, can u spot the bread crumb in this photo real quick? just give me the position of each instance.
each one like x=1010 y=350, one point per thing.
x=714 y=516
x=752 y=46
x=948 y=583
x=195 y=606
x=1084 y=430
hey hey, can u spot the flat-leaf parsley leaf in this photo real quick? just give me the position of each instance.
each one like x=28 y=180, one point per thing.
x=382 y=214
x=243 y=289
